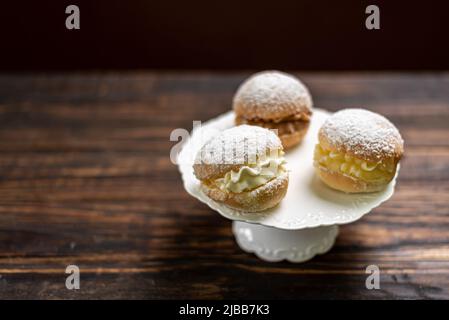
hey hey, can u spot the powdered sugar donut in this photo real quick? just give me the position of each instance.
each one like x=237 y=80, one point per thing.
x=358 y=151
x=275 y=100
x=244 y=168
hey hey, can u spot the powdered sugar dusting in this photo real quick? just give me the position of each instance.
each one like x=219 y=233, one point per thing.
x=362 y=133
x=308 y=202
x=239 y=145
x=272 y=94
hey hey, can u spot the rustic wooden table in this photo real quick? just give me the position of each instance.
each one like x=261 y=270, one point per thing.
x=86 y=179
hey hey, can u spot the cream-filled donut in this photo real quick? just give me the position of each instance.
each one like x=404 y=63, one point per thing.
x=275 y=100
x=358 y=151
x=243 y=168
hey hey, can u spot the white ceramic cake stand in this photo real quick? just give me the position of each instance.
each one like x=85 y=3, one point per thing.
x=306 y=222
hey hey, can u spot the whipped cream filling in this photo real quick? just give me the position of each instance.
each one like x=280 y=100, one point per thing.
x=252 y=176
x=351 y=166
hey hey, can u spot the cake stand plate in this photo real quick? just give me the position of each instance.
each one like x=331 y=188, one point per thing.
x=306 y=221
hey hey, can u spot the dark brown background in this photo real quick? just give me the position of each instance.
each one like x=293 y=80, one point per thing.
x=231 y=34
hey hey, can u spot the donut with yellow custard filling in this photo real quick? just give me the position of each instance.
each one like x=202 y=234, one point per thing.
x=358 y=151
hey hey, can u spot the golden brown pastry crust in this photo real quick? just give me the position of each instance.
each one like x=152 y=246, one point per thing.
x=290 y=132
x=259 y=199
x=272 y=96
x=259 y=142
x=358 y=153
x=362 y=135
x=371 y=137
x=243 y=139
x=275 y=100
x=345 y=183
x=291 y=140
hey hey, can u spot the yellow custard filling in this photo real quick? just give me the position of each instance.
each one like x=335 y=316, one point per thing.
x=382 y=171
x=252 y=176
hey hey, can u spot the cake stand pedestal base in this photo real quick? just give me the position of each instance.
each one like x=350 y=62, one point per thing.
x=272 y=244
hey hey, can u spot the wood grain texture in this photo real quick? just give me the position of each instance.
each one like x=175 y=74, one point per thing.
x=86 y=179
